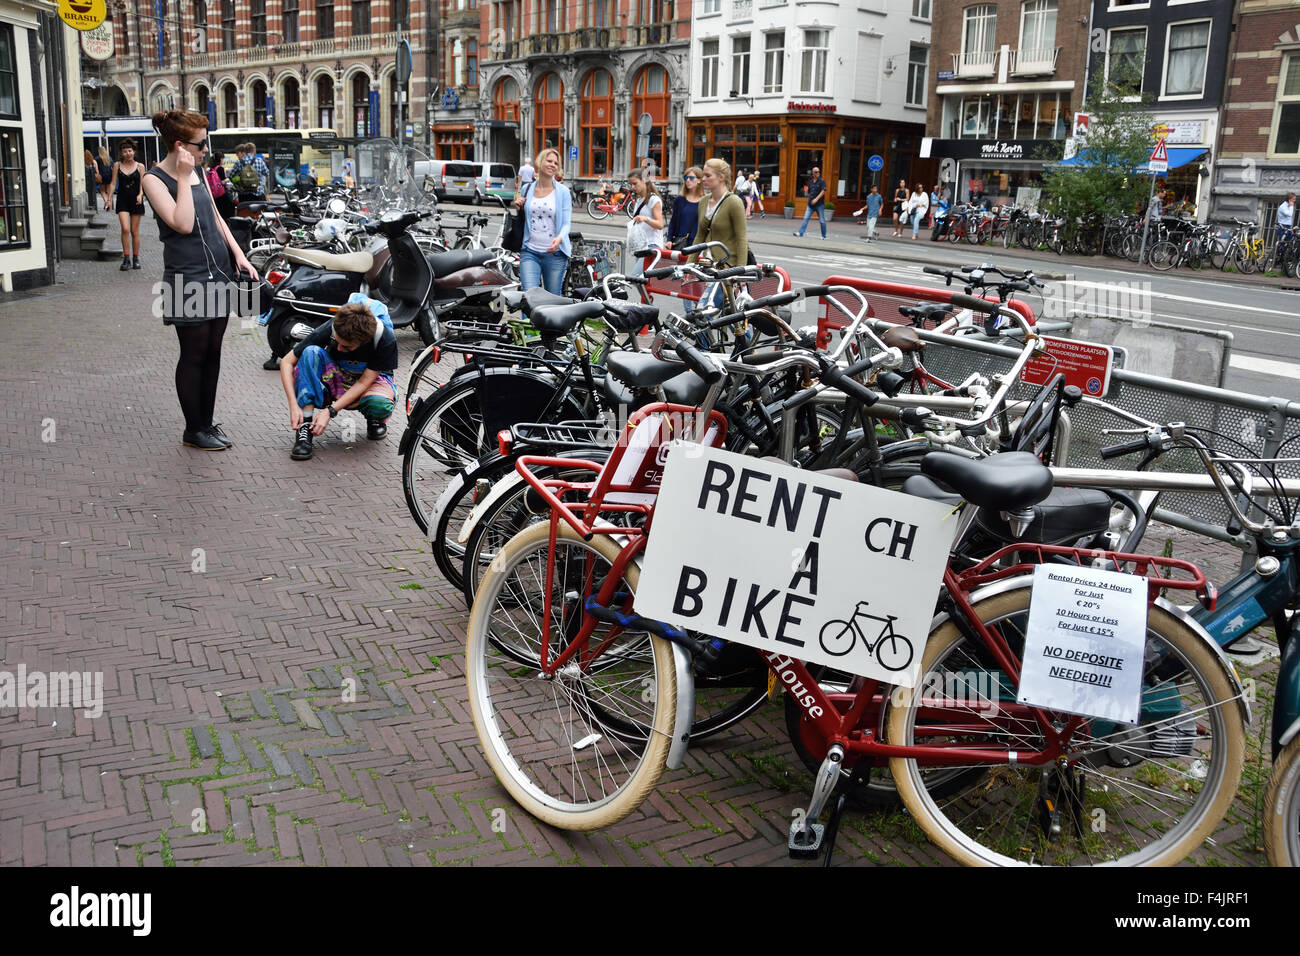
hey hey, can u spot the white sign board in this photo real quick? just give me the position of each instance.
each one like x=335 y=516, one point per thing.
x=795 y=563
x=1085 y=641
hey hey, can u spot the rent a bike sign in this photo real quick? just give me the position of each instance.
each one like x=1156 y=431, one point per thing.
x=796 y=564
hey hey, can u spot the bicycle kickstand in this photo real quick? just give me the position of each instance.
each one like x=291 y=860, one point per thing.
x=806 y=835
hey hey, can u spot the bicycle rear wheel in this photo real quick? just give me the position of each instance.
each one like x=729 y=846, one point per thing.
x=582 y=749
x=1282 y=808
x=1144 y=795
x=1218 y=253
x=594 y=209
x=1164 y=255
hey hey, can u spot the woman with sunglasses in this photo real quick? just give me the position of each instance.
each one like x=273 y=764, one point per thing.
x=686 y=210
x=201 y=266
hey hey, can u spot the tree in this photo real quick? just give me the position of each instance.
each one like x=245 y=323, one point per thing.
x=1104 y=182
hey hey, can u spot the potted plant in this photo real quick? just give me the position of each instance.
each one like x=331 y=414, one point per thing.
x=789 y=209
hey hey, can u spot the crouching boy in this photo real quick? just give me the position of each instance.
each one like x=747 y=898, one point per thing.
x=346 y=363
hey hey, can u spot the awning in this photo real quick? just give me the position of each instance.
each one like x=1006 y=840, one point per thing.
x=1178 y=156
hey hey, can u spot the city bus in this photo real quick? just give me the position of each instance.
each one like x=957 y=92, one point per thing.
x=310 y=148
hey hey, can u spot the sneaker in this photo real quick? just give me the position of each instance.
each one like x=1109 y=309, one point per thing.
x=135 y=262
x=216 y=432
x=797 y=233
x=302 y=442
x=272 y=363
x=376 y=430
x=204 y=440
x=126 y=264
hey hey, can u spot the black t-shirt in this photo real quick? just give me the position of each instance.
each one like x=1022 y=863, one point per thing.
x=381 y=357
x=817 y=187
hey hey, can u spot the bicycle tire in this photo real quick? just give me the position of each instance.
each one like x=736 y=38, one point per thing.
x=451 y=511
x=1218 y=253
x=556 y=758
x=1164 y=255
x=1242 y=260
x=594 y=210
x=1282 y=808
x=981 y=826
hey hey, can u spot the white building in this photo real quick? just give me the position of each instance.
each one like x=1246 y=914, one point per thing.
x=785 y=85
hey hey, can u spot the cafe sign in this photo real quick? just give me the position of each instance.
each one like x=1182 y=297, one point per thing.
x=794 y=107
x=83 y=14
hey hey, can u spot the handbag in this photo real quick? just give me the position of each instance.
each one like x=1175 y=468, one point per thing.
x=512 y=236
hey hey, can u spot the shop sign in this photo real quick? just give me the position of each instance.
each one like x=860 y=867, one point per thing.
x=83 y=14
x=996 y=150
x=794 y=107
x=1180 y=132
x=98 y=43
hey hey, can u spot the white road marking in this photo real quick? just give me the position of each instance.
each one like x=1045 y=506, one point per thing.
x=1287 y=370
x=1186 y=298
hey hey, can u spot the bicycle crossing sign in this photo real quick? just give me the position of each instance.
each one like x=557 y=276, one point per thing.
x=1159 y=161
x=795 y=563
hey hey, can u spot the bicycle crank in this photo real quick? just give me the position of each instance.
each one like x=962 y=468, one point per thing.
x=806 y=835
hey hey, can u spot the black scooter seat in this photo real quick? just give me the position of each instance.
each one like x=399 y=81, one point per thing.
x=443 y=263
x=559 y=319
x=1009 y=481
x=641 y=369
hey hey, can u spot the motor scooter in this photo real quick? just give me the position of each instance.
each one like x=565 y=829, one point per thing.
x=418 y=288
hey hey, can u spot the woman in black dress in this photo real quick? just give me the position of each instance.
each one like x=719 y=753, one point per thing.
x=201 y=263
x=130 y=202
x=901 y=196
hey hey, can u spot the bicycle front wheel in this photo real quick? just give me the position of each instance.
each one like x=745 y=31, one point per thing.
x=582 y=748
x=594 y=209
x=1143 y=795
x=1164 y=255
x=1282 y=808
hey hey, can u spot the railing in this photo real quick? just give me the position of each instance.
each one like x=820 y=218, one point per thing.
x=1029 y=61
x=322 y=47
x=979 y=63
x=742 y=9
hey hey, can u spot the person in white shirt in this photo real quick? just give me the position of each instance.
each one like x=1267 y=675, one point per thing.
x=646 y=230
x=526 y=174
x=1286 y=218
x=918 y=206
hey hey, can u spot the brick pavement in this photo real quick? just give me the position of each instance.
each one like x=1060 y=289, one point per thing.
x=281 y=662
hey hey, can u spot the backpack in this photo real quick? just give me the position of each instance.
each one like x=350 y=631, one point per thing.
x=246 y=178
x=215 y=184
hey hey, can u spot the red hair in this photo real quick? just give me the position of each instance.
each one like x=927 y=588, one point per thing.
x=176 y=125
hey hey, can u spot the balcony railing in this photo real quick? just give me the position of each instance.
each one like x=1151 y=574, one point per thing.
x=980 y=63
x=1029 y=61
x=742 y=9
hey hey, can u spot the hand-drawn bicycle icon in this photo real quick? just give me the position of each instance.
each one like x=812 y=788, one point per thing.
x=893 y=651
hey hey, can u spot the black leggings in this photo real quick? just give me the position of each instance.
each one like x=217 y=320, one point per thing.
x=197 y=371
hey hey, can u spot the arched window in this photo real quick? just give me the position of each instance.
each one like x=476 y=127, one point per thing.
x=325 y=102
x=471 y=64
x=548 y=114
x=650 y=95
x=230 y=105
x=201 y=97
x=291 y=108
x=505 y=101
x=361 y=105
x=595 y=113
x=258 y=91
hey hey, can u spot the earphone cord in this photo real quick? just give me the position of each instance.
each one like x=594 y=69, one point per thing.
x=203 y=178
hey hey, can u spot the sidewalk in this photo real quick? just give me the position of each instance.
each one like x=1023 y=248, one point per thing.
x=282 y=665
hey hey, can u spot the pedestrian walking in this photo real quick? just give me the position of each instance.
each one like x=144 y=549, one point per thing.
x=548 y=213
x=129 y=205
x=872 y=208
x=919 y=204
x=755 y=198
x=104 y=165
x=198 y=253
x=646 y=230
x=900 y=201
x=816 y=202
x=686 y=210
x=722 y=218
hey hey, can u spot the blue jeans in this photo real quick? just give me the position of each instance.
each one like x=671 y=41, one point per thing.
x=542 y=268
x=916 y=221
x=821 y=216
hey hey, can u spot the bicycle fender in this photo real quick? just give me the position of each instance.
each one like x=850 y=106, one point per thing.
x=1286 y=698
x=415 y=362
x=456 y=483
x=1225 y=665
x=499 y=490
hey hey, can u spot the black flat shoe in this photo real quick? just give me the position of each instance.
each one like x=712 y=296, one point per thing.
x=216 y=432
x=204 y=440
x=376 y=430
x=271 y=364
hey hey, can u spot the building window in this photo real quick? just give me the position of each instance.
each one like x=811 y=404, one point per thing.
x=1286 y=138
x=8 y=74
x=740 y=65
x=201 y=99
x=650 y=96
x=1125 y=58
x=773 y=61
x=325 y=102
x=125 y=45
x=1185 y=60
x=505 y=101
x=361 y=103
x=201 y=21
x=471 y=64
x=13 y=174
x=227 y=24
x=711 y=6
x=230 y=106
x=599 y=13
x=259 y=103
x=291 y=107
x=918 y=59
x=257 y=21
x=360 y=18
x=324 y=19
x=449 y=77
x=548 y=110
x=1037 y=31
x=708 y=69
x=551 y=16
x=812 y=72
x=921 y=9
x=595 y=114
x=289 y=21
x=978 y=33
x=975 y=116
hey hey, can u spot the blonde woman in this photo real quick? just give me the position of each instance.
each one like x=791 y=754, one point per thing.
x=686 y=210
x=646 y=230
x=548 y=214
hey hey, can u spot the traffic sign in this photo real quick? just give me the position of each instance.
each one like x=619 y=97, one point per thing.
x=403 y=63
x=573 y=154
x=876 y=164
x=1085 y=364
x=1159 y=161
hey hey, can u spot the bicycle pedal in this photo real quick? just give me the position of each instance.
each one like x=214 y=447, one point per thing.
x=805 y=841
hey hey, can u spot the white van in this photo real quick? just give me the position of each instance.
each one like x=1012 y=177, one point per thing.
x=451 y=179
x=495 y=179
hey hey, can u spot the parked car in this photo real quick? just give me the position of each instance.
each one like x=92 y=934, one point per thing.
x=495 y=179
x=451 y=179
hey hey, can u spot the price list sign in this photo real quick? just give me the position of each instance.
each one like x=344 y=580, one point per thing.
x=1085 y=641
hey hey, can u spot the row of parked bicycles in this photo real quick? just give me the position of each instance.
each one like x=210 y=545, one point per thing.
x=533 y=458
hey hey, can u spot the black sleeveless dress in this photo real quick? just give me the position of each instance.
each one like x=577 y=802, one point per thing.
x=129 y=197
x=198 y=264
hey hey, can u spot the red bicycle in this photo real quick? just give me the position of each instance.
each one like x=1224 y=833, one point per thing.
x=608 y=199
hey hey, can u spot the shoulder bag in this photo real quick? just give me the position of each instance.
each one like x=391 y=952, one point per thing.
x=512 y=237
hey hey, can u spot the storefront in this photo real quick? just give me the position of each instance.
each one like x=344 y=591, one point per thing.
x=24 y=254
x=1003 y=172
x=783 y=148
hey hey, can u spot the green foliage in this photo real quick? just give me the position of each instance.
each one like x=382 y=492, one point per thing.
x=1119 y=141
